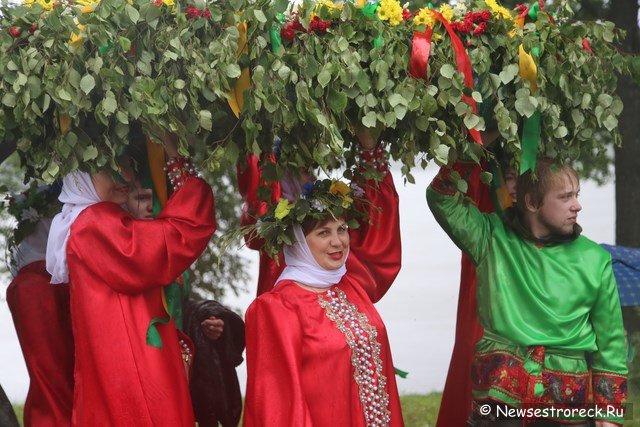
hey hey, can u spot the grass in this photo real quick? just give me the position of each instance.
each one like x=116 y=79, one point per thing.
x=421 y=410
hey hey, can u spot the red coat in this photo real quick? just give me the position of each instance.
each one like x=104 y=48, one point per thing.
x=301 y=347
x=249 y=180
x=41 y=316
x=118 y=266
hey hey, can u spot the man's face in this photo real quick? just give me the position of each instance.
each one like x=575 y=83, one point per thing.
x=140 y=202
x=559 y=210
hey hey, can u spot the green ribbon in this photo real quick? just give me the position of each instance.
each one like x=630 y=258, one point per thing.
x=534 y=10
x=377 y=42
x=274 y=34
x=369 y=9
x=400 y=373
x=104 y=49
x=530 y=141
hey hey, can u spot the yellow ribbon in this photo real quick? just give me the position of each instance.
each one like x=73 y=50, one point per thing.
x=235 y=97
x=528 y=68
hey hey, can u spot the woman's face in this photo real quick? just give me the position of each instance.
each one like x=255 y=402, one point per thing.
x=328 y=243
x=108 y=189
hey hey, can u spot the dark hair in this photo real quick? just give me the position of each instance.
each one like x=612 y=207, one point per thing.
x=547 y=174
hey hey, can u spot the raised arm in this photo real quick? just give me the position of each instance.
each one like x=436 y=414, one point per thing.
x=609 y=361
x=133 y=255
x=274 y=364
x=469 y=228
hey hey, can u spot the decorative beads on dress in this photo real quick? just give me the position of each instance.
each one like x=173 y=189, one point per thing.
x=377 y=158
x=185 y=351
x=180 y=169
x=365 y=355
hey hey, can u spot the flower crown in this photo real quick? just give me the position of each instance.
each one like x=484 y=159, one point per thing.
x=322 y=199
x=30 y=207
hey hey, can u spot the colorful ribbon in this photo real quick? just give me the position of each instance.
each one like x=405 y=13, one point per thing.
x=419 y=63
x=235 y=97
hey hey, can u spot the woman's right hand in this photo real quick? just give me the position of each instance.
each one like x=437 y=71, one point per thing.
x=170 y=142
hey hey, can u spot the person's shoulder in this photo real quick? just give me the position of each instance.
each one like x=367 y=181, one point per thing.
x=591 y=248
x=280 y=299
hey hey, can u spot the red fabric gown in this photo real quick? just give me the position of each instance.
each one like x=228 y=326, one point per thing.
x=302 y=346
x=249 y=180
x=41 y=316
x=118 y=266
x=456 y=405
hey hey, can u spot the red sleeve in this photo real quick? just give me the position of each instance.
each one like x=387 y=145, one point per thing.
x=375 y=251
x=274 y=362
x=133 y=255
x=249 y=181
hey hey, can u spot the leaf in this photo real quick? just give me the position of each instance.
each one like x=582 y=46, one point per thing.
x=324 y=77
x=109 y=103
x=396 y=99
x=179 y=84
x=87 y=83
x=400 y=111
x=132 y=13
x=441 y=153
x=206 y=121
x=90 y=153
x=524 y=107
x=9 y=100
x=337 y=101
x=447 y=71
x=369 y=120
x=611 y=122
x=232 y=70
x=63 y=94
x=125 y=44
x=471 y=121
x=260 y=16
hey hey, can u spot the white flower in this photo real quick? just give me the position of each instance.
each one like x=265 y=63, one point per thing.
x=460 y=9
x=356 y=190
x=30 y=215
x=318 y=205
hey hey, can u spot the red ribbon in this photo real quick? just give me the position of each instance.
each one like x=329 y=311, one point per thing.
x=420 y=51
x=420 y=56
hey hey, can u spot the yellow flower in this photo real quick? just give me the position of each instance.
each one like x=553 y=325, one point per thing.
x=283 y=208
x=169 y=3
x=360 y=3
x=329 y=5
x=77 y=37
x=447 y=12
x=88 y=6
x=424 y=17
x=46 y=4
x=498 y=10
x=346 y=202
x=28 y=3
x=390 y=10
x=339 y=187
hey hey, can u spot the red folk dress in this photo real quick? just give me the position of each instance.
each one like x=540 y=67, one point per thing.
x=323 y=359
x=41 y=316
x=117 y=268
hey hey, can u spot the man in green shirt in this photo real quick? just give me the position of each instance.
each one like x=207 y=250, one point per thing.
x=553 y=347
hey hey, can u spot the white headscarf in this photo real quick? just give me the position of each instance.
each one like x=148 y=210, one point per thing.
x=303 y=268
x=33 y=248
x=78 y=193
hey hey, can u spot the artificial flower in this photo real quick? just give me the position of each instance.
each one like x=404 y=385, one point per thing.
x=283 y=208
x=46 y=4
x=30 y=215
x=446 y=11
x=390 y=10
x=425 y=17
x=498 y=10
x=318 y=205
x=346 y=202
x=339 y=187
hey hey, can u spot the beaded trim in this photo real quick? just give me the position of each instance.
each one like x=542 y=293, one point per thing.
x=180 y=169
x=365 y=355
x=377 y=158
x=185 y=351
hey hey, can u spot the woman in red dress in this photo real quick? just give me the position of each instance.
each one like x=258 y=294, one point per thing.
x=116 y=266
x=317 y=349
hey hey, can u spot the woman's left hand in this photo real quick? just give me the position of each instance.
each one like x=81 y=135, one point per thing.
x=212 y=328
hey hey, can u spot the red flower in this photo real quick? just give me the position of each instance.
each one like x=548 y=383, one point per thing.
x=319 y=26
x=206 y=14
x=480 y=29
x=157 y=3
x=469 y=43
x=587 y=46
x=467 y=27
x=485 y=15
x=297 y=26
x=287 y=33
x=193 y=12
x=15 y=31
x=406 y=14
x=523 y=9
x=33 y=28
